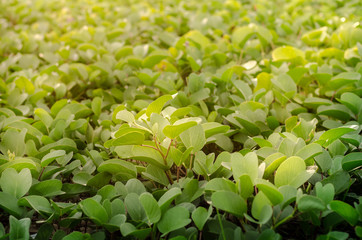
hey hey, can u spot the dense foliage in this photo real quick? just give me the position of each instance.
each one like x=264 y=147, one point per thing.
x=171 y=119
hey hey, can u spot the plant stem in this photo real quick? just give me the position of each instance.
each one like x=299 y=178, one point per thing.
x=42 y=171
x=168 y=174
x=191 y=158
x=221 y=226
x=178 y=173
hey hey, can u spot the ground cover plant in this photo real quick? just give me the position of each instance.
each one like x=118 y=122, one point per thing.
x=174 y=119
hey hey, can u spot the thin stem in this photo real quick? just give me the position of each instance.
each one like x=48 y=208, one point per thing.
x=168 y=174
x=149 y=146
x=159 y=149
x=221 y=226
x=42 y=171
x=191 y=158
x=168 y=149
x=178 y=173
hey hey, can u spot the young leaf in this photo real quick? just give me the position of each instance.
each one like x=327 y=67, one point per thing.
x=157 y=105
x=270 y=191
x=94 y=210
x=50 y=157
x=352 y=161
x=19 y=229
x=151 y=207
x=173 y=219
x=229 y=202
x=333 y=134
x=16 y=184
x=261 y=208
x=247 y=164
x=166 y=199
x=326 y=193
x=200 y=216
x=38 y=203
x=134 y=207
x=47 y=188
x=194 y=137
x=292 y=172
x=126 y=116
x=173 y=131
x=309 y=203
x=345 y=210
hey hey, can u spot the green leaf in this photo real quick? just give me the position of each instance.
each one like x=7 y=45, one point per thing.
x=200 y=216
x=339 y=179
x=241 y=35
x=47 y=188
x=213 y=128
x=44 y=232
x=337 y=111
x=97 y=106
x=157 y=105
x=326 y=193
x=261 y=208
x=344 y=79
x=285 y=83
x=38 y=203
x=126 y=116
x=156 y=174
x=119 y=168
x=346 y=211
x=289 y=195
x=129 y=229
x=9 y=203
x=44 y=116
x=197 y=37
x=151 y=207
x=352 y=101
x=77 y=236
x=292 y=172
x=352 y=161
x=309 y=151
x=50 y=157
x=243 y=89
x=333 y=134
x=273 y=161
x=247 y=164
x=173 y=131
x=270 y=191
x=194 y=137
x=250 y=127
x=131 y=138
x=191 y=192
x=309 y=203
x=154 y=58
x=286 y=53
x=245 y=186
x=166 y=199
x=13 y=141
x=134 y=207
x=217 y=184
x=173 y=219
x=141 y=153
x=20 y=163
x=324 y=161
x=19 y=229
x=229 y=202
x=94 y=210
x=16 y=184
x=135 y=186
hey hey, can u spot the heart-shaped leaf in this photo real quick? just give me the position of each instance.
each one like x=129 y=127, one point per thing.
x=200 y=216
x=173 y=219
x=16 y=184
